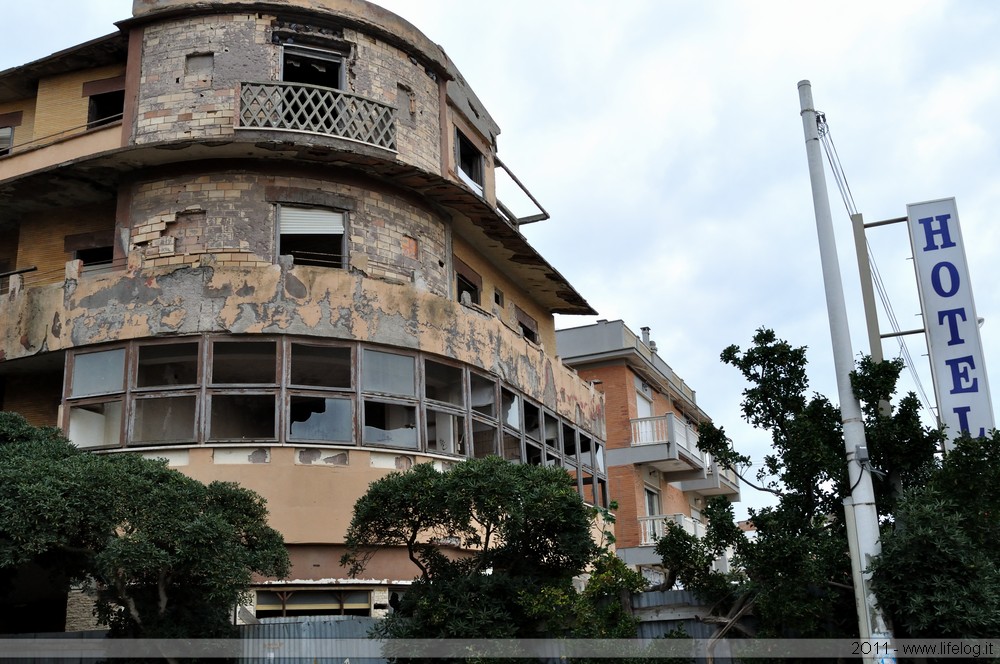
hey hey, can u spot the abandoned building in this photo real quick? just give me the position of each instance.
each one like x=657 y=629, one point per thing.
x=262 y=240
x=657 y=473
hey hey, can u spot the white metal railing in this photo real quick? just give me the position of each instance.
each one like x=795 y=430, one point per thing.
x=654 y=527
x=666 y=429
x=315 y=109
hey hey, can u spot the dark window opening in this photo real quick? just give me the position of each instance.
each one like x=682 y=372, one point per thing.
x=313 y=67
x=96 y=256
x=105 y=108
x=526 y=324
x=6 y=140
x=311 y=236
x=390 y=424
x=464 y=286
x=470 y=160
x=498 y=297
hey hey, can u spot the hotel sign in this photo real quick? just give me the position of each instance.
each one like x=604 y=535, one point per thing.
x=953 y=340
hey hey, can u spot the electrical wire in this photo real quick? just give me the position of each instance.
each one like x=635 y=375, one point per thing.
x=833 y=158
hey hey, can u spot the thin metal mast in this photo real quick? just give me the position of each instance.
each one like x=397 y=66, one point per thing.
x=859 y=507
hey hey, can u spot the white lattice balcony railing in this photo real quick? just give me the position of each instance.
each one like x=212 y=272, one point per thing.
x=654 y=527
x=318 y=110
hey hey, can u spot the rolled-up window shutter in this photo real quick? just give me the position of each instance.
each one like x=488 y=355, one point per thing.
x=310 y=221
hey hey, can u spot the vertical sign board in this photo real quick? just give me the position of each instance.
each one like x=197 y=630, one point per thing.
x=956 y=351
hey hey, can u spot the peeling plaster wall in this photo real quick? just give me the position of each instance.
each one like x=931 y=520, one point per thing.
x=279 y=300
x=231 y=215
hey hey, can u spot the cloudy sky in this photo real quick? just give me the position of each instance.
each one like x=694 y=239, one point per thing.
x=664 y=138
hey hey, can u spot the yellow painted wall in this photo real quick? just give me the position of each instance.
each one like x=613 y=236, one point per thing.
x=61 y=106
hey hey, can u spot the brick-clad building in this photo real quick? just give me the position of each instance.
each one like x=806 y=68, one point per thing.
x=656 y=472
x=261 y=240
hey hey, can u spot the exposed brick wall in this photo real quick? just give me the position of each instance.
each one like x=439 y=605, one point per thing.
x=177 y=220
x=174 y=104
x=80 y=610
x=383 y=72
x=61 y=105
x=41 y=242
x=35 y=396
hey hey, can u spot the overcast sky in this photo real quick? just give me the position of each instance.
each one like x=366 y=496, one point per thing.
x=664 y=138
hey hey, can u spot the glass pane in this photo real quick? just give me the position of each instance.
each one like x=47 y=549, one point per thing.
x=242 y=416
x=322 y=366
x=443 y=383
x=588 y=488
x=532 y=421
x=164 y=420
x=511 y=447
x=599 y=455
x=388 y=373
x=390 y=424
x=484 y=439
x=484 y=397
x=243 y=362
x=510 y=409
x=316 y=418
x=170 y=364
x=98 y=373
x=96 y=425
x=445 y=433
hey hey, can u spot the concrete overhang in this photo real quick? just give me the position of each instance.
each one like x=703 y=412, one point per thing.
x=21 y=82
x=95 y=178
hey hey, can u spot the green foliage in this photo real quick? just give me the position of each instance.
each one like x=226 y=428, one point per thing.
x=797 y=569
x=525 y=534
x=169 y=555
x=938 y=574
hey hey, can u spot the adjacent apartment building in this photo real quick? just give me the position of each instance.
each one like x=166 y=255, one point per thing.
x=656 y=471
x=261 y=240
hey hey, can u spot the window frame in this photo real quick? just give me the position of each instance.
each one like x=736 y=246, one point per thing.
x=462 y=270
x=344 y=230
x=476 y=179
x=315 y=53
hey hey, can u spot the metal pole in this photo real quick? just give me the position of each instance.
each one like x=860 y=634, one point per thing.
x=862 y=519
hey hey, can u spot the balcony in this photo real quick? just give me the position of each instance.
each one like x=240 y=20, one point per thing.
x=654 y=527
x=313 y=109
x=718 y=481
x=667 y=444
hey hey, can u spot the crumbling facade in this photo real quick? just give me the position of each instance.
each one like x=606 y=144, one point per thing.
x=261 y=240
x=658 y=475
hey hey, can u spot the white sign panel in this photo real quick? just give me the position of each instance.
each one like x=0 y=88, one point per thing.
x=956 y=351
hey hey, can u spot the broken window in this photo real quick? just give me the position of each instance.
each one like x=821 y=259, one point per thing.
x=96 y=424
x=105 y=108
x=484 y=395
x=160 y=420
x=445 y=432
x=292 y=603
x=470 y=162
x=390 y=424
x=243 y=362
x=484 y=439
x=510 y=408
x=321 y=419
x=6 y=140
x=311 y=236
x=321 y=366
x=526 y=324
x=443 y=382
x=532 y=421
x=162 y=365
x=511 y=447
x=242 y=417
x=312 y=66
x=468 y=283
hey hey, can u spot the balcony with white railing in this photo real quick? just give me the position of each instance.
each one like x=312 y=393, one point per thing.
x=666 y=443
x=654 y=527
x=718 y=481
x=313 y=109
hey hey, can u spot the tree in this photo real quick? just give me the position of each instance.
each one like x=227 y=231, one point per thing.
x=168 y=555
x=523 y=533
x=797 y=569
x=939 y=574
